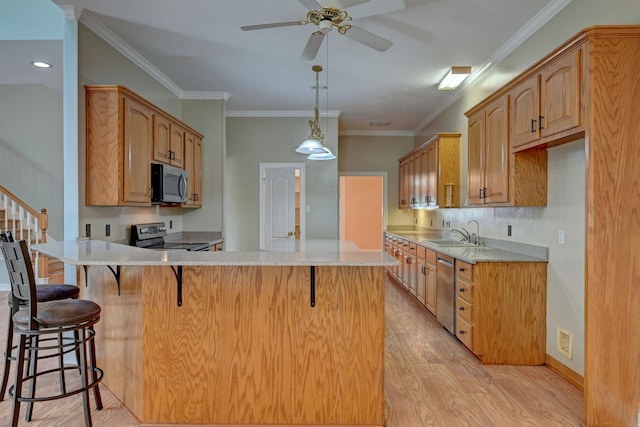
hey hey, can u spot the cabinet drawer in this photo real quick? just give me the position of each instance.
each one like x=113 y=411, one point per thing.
x=432 y=257
x=422 y=252
x=464 y=310
x=464 y=332
x=464 y=290
x=464 y=270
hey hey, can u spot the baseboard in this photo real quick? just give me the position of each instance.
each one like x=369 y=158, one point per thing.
x=565 y=372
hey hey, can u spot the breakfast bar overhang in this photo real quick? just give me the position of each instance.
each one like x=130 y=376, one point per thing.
x=292 y=336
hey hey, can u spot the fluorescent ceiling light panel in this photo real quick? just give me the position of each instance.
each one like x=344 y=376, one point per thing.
x=454 y=77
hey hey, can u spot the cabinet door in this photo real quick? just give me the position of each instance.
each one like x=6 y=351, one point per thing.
x=193 y=166
x=496 y=149
x=177 y=145
x=403 y=202
x=560 y=94
x=525 y=107
x=424 y=177
x=410 y=184
x=161 y=138
x=418 y=190
x=421 y=277
x=432 y=174
x=430 y=288
x=475 y=160
x=138 y=128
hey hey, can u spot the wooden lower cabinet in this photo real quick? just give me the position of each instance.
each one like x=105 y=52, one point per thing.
x=501 y=311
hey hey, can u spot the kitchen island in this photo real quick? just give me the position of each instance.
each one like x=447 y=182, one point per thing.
x=293 y=336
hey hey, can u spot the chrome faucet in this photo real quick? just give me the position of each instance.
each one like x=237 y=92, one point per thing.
x=475 y=238
x=465 y=234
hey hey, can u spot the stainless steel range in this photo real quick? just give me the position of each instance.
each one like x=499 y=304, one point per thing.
x=152 y=236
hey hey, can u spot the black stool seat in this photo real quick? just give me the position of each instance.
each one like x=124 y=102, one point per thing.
x=56 y=292
x=54 y=314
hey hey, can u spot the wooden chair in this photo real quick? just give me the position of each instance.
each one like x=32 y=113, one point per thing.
x=49 y=329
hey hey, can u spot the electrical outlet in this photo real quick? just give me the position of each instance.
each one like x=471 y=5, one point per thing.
x=508 y=230
x=565 y=343
x=430 y=223
x=87 y=230
x=107 y=230
x=561 y=236
x=448 y=224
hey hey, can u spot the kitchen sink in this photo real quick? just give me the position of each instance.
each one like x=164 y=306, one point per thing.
x=451 y=243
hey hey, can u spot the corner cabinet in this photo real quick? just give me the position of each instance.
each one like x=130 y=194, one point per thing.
x=430 y=174
x=124 y=135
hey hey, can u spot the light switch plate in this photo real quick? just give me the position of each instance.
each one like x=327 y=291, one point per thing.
x=561 y=236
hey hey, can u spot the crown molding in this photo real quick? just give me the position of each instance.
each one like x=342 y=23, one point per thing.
x=280 y=113
x=206 y=95
x=377 y=133
x=534 y=24
x=88 y=19
x=71 y=12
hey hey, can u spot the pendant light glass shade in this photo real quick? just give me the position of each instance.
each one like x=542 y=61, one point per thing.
x=325 y=155
x=310 y=146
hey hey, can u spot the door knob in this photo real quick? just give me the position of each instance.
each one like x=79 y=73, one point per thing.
x=290 y=233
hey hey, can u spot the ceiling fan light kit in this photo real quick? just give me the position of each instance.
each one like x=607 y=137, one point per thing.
x=454 y=77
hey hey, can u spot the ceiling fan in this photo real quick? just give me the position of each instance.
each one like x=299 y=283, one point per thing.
x=326 y=18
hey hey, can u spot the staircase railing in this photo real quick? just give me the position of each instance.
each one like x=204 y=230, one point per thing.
x=25 y=223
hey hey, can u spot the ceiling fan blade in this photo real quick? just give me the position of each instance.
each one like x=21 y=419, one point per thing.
x=313 y=45
x=272 y=25
x=311 y=4
x=369 y=39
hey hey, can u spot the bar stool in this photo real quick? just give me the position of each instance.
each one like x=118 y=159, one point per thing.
x=47 y=327
x=44 y=293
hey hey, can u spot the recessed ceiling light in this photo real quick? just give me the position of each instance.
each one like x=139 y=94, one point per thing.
x=41 y=64
x=379 y=123
x=454 y=77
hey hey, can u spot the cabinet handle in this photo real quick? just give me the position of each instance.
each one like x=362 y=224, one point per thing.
x=533 y=122
x=540 y=127
x=461 y=269
x=461 y=308
x=462 y=332
x=196 y=197
x=409 y=261
x=462 y=290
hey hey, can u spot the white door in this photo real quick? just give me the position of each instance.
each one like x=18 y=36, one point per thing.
x=279 y=187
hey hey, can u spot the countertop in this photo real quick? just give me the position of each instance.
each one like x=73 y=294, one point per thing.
x=494 y=250
x=301 y=253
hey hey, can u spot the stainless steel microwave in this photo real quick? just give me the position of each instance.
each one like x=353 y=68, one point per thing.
x=168 y=184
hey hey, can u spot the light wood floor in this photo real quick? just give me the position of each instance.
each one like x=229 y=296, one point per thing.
x=430 y=380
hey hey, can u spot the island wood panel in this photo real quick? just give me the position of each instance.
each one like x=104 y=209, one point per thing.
x=612 y=350
x=247 y=348
x=510 y=312
x=119 y=331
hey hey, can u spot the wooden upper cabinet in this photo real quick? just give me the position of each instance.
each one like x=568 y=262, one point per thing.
x=125 y=133
x=137 y=149
x=488 y=154
x=427 y=172
x=168 y=141
x=547 y=105
x=193 y=166
x=561 y=95
x=496 y=148
x=119 y=141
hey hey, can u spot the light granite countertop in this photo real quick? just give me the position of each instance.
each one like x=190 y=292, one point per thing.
x=494 y=250
x=303 y=253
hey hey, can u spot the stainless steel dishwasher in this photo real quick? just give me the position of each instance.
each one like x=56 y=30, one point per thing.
x=445 y=299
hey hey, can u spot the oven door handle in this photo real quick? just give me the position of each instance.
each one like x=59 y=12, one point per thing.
x=203 y=247
x=183 y=185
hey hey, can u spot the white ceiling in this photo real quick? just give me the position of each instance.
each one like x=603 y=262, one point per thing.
x=199 y=46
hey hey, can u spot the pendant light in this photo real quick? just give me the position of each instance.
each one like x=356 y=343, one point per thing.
x=313 y=145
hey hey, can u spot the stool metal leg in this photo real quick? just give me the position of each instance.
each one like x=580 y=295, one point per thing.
x=17 y=386
x=7 y=357
x=94 y=372
x=32 y=363
x=85 y=378
x=63 y=386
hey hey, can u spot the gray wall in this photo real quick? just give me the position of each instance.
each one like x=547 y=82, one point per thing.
x=251 y=141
